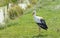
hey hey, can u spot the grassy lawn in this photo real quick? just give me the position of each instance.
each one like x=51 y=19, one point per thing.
x=25 y=27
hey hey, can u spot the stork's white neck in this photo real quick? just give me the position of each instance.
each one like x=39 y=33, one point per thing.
x=34 y=13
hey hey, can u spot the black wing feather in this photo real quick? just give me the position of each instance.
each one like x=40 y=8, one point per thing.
x=43 y=24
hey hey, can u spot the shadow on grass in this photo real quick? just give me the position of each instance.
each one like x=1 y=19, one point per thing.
x=39 y=35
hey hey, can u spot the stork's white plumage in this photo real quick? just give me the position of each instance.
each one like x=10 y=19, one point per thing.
x=40 y=21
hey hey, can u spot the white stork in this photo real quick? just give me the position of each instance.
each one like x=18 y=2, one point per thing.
x=39 y=21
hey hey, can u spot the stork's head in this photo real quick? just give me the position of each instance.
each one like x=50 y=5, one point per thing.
x=34 y=12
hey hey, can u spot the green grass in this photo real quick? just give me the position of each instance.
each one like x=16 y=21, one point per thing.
x=25 y=27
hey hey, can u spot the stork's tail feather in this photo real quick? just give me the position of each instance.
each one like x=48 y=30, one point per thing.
x=43 y=26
